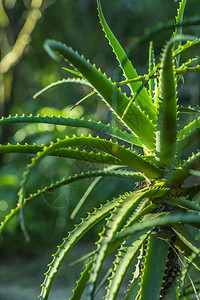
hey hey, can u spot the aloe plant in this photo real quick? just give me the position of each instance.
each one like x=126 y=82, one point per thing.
x=154 y=229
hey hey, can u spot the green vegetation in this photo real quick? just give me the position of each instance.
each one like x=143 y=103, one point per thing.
x=154 y=228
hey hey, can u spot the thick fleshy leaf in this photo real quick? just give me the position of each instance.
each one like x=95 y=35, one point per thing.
x=185 y=47
x=135 y=120
x=119 y=215
x=143 y=100
x=125 y=255
x=178 y=176
x=154 y=266
x=189 y=135
x=120 y=153
x=69 y=242
x=65 y=181
x=192 y=257
x=187 y=238
x=123 y=208
x=167 y=106
x=167 y=110
x=62 y=152
x=82 y=282
x=164 y=219
x=96 y=126
x=180 y=202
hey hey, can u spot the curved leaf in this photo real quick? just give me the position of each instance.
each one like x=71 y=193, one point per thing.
x=178 y=29
x=177 y=176
x=180 y=203
x=143 y=100
x=118 y=152
x=125 y=255
x=61 y=82
x=187 y=238
x=163 y=220
x=97 y=126
x=62 y=152
x=123 y=208
x=188 y=110
x=65 y=181
x=70 y=241
x=189 y=135
x=82 y=282
x=135 y=120
x=188 y=45
x=192 y=257
x=114 y=149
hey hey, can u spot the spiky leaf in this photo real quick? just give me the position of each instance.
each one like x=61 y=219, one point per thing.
x=136 y=121
x=143 y=100
x=154 y=266
x=97 y=126
x=125 y=256
x=167 y=114
x=69 y=242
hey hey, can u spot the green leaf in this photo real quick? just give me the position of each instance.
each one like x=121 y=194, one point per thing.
x=189 y=62
x=154 y=268
x=91 y=187
x=72 y=71
x=82 y=176
x=123 y=207
x=153 y=81
x=82 y=282
x=133 y=290
x=180 y=203
x=187 y=46
x=189 y=135
x=62 y=152
x=61 y=82
x=187 y=238
x=95 y=182
x=143 y=208
x=167 y=111
x=135 y=120
x=40 y=155
x=189 y=128
x=188 y=110
x=167 y=105
x=192 y=258
x=187 y=70
x=65 y=181
x=70 y=241
x=165 y=219
x=96 y=126
x=125 y=255
x=125 y=155
x=177 y=176
x=143 y=100
x=114 y=149
x=173 y=292
x=88 y=96
x=178 y=29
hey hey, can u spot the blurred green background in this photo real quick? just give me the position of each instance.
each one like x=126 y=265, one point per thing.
x=26 y=68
